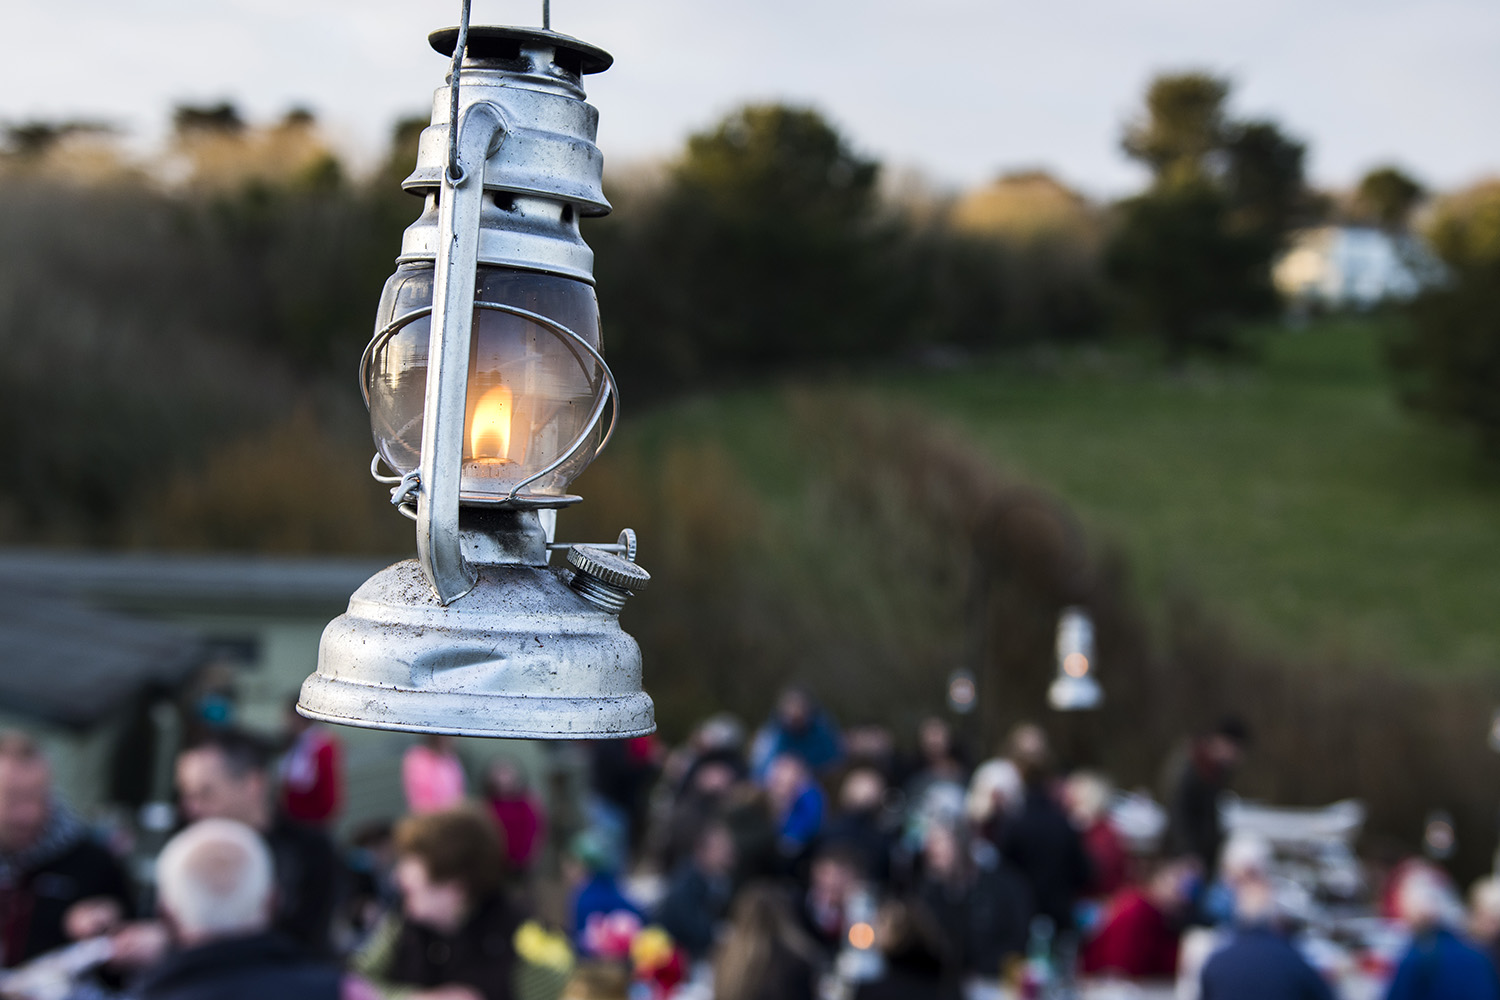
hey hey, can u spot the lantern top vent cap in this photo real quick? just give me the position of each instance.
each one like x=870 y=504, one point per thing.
x=499 y=43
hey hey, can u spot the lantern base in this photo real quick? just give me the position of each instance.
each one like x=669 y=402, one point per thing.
x=520 y=656
x=1075 y=694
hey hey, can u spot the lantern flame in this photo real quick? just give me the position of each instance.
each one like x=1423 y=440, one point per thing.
x=862 y=936
x=1075 y=665
x=489 y=428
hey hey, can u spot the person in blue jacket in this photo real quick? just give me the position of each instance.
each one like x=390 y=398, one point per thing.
x=1439 y=965
x=1257 y=962
x=797 y=807
x=1260 y=964
x=601 y=910
x=800 y=728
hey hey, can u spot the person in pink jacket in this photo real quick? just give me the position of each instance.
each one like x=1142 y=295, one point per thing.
x=432 y=776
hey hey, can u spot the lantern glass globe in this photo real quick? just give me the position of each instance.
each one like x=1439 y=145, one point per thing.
x=530 y=390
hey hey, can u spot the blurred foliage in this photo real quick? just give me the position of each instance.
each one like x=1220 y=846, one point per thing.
x=766 y=247
x=1183 y=127
x=239 y=498
x=759 y=252
x=161 y=313
x=1387 y=196
x=1448 y=363
x=1191 y=257
x=153 y=314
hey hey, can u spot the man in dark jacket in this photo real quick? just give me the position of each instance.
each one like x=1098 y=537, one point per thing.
x=1196 y=828
x=1042 y=846
x=981 y=905
x=216 y=882
x=698 y=895
x=56 y=882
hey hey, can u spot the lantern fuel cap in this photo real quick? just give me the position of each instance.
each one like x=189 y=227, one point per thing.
x=488 y=392
x=605 y=579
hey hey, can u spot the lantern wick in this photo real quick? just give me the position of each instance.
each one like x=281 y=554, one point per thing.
x=455 y=171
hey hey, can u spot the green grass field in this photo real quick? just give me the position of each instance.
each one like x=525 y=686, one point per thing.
x=1292 y=497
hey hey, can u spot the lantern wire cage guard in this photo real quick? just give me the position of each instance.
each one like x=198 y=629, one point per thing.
x=606 y=391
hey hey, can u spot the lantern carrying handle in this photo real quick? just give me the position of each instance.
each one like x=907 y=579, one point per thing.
x=480 y=129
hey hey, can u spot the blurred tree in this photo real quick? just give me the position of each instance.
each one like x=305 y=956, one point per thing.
x=1186 y=274
x=1448 y=363
x=762 y=249
x=1264 y=181
x=1028 y=206
x=223 y=117
x=400 y=159
x=1387 y=196
x=1191 y=256
x=293 y=253
x=73 y=151
x=34 y=139
x=1183 y=127
x=783 y=158
x=1018 y=260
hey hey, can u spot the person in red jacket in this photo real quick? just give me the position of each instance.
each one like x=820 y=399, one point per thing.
x=1087 y=797
x=1139 y=934
x=311 y=772
x=520 y=813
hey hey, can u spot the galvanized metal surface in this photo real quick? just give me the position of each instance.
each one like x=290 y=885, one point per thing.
x=549 y=171
x=477 y=637
x=481 y=128
x=521 y=655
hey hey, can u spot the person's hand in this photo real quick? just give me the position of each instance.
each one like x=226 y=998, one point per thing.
x=141 y=944
x=92 y=917
x=451 y=991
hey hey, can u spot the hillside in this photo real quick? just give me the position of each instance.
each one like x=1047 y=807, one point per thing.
x=1292 y=497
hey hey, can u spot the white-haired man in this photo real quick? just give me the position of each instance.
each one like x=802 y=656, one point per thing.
x=224 y=776
x=215 y=884
x=1439 y=963
x=1257 y=961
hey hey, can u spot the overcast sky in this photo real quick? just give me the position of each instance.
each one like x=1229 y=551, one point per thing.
x=958 y=89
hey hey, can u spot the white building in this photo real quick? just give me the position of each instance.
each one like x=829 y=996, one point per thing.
x=1343 y=266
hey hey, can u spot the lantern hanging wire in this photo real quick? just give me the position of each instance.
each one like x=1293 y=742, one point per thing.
x=455 y=170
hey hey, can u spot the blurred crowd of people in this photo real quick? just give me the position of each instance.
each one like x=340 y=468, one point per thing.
x=794 y=862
